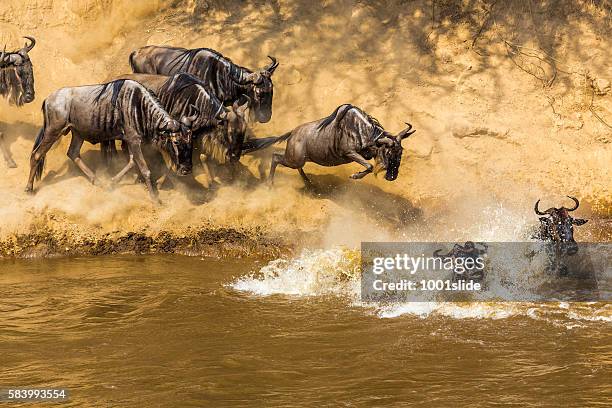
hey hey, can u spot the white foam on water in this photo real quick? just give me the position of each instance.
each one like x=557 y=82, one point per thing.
x=313 y=273
x=336 y=272
x=463 y=310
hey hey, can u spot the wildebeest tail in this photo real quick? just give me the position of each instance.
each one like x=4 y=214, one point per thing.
x=109 y=150
x=252 y=145
x=39 y=138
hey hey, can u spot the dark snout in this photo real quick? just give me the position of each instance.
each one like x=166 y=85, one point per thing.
x=392 y=173
x=233 y=157
x=183 y=170
x=28 y=97
x=391 y=177
x=263 y=115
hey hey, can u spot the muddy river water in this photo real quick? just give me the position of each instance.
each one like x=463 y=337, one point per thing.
x=169 y=331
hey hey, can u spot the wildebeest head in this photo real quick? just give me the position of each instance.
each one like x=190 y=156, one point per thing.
x=558 y=226
x=389 y=152
x=17 y=75
x=174 y=141
x=235 y=130
x=261 y=91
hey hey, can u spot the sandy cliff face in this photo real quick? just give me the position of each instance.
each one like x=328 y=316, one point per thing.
x=501 y=96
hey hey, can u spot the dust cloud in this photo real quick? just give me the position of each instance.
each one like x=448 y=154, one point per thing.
x=490 y=139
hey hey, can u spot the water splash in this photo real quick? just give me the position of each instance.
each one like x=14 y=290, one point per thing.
x=336 y=272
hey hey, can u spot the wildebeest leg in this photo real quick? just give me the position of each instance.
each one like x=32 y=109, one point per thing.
x=277 y=158
x=305 y=177
x=356 y=157
x=49 y=137
x=209 y=169
x=127 y=167
x=160 y=181
x=5 y=152
x=74 y=152
x=144 y=169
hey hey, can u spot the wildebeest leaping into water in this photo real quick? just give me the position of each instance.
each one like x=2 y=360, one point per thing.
x=557 y=230
x=16 y=83
x=121 y=109
x=347 y=135
x=558 y=226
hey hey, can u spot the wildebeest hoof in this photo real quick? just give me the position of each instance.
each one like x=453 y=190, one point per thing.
x=356 y=176
x=29 y=190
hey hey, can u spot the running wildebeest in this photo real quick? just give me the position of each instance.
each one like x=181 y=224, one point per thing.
x=347 y=135
x=217 y=132
x=16 y=83
x=558 y=226
x=121 y=109
x=227 y=81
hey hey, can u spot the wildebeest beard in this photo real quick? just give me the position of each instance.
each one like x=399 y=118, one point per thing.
x=17 y=87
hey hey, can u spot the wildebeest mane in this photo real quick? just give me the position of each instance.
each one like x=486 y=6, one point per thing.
x=339 y=114
x=178 y=82
x=214 y=144
x=145 y=110
x=116 y=88
x=183 y=61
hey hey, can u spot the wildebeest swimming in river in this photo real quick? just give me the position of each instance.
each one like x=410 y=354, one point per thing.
x=123 y=110
x=470 y=271
x=557 y=226
x=227 y=81
x=16 y=83
x=217 y=131
x=347 y=135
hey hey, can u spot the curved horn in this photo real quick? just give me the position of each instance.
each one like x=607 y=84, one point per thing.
x=28 y=48
x=575 y=201
x=272 y=66
x=406 y=132
x=193 y=117
x=537 y=211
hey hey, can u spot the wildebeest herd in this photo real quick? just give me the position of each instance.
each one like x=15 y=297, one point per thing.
x=188 y=103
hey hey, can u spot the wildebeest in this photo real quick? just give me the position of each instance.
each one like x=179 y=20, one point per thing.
x=557 y=226
x=121 y=109
x=222 y=145
x=347 y=135
x=16 y=83
x=217 y=132
x=472 y=271
x=226 y=80
x=183 y=95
